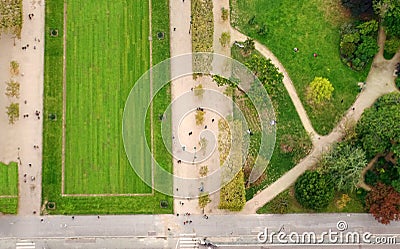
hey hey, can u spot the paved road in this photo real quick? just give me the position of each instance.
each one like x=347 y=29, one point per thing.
x=149 y=231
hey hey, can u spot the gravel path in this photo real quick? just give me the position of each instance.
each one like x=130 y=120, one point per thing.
x=18 y=140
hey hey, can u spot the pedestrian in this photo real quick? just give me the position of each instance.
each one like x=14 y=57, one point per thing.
x=30 y=165
x=98 y=217
x=34 y=47
x=190 y=133
x=205 y=127
x=191 y=89
x=176 y=189
x=174 y=29
x=73 y=217
x=354 y=108
x=212 y=120
x=41 y=220
x=315 y=55
x=169 y=229
x=341 y=101
x=296 y=50
x=25 y=100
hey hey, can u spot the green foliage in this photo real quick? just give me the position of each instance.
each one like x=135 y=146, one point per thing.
x=344 y=164
x=221 y=81
x=13 y=112
x=11 y=17
x=225 y=39
x=12 y=89
x=358 y=44
x=314 y=190
x=396 y=185
x=204 y=199
x=389 y=11
x=368 y=28
x=378 y=129
x=248 y=46
x=397 y=82
x=392 y=44
x=319 y=91
x=266 y=72
x=232 y=195
x=289 y=126
x=224 y=14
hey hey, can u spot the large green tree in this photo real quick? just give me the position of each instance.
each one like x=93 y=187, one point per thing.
x=344 y=163
x=378 y=128
x=314 y=190
x=389 y=11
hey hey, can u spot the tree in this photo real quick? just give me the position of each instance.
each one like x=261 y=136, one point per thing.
x=344 y=163
x=389 y=12
x=12 y=89
x=11 y=17
x=224 y=14
x=225 y=39
x=14 y=68
x=378 y=129
x=203 y=144
x=198 y=90
x=199 y=117
x=314 y=190
x=13 y=112
x=319 y=90
x=204 y=199
x=383 y=202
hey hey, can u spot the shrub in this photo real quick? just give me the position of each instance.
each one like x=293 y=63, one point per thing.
x=199 y=117
x=225 y=39
x=224 y=14
x=319 y=90
x=13 y=112
x=204 y=199
x=314 y=190
x=232 y=195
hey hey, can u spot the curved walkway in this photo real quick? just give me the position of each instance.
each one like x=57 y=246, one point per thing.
x=380 y=81
x=237 y=36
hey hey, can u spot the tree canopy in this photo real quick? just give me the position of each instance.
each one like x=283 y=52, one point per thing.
x=314 y=190
x=344 y=163
x=319 y=90
x=389 y=11
x=383 y=202
x=378 y=129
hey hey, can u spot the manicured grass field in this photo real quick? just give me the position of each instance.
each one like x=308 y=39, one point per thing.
x=107 y=51
x=313 y=27
x=110 y=50
x=289 y=128
x=8 y=187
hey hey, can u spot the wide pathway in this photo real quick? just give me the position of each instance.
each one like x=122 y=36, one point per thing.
x=18 y=140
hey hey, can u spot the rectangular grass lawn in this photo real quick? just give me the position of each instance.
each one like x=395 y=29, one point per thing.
x=8 y=188
x=107 y=51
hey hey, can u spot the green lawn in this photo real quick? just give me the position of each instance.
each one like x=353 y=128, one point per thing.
x=8 y=187
x=290 y=132
x=313 y=27
x=107 y=51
